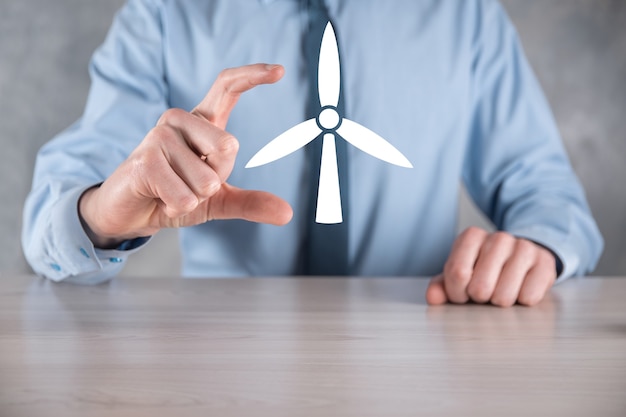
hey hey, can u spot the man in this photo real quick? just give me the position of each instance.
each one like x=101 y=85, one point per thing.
x=445 y=82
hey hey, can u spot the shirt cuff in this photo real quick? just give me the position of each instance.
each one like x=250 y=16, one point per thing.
x=73 y=257
x=556 y=243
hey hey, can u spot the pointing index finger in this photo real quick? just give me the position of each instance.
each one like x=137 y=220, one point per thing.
x=229 y=85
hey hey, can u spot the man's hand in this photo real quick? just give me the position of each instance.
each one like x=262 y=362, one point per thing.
x=496 y=268
x=165 y=183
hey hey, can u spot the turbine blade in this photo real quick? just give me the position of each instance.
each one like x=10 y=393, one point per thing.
x=286 y=143
x=328 y=209
x=369 y=142
x=329 y=73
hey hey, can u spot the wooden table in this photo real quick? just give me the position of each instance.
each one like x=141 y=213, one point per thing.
x=306 y=347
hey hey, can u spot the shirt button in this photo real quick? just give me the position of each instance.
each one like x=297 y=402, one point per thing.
x=84 y=252
x=56 y=267
x=116 y=260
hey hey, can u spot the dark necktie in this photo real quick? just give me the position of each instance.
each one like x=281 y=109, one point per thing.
x=326 y=247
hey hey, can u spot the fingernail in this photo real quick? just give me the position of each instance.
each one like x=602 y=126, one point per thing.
x=270 y=67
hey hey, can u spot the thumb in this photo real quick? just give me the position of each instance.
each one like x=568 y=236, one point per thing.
x=254 y=206
x=436 y=291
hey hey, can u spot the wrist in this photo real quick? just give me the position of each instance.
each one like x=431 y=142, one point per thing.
x=87 y=209
x=558 y=264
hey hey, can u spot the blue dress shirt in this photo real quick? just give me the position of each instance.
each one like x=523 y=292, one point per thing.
x=445 y=81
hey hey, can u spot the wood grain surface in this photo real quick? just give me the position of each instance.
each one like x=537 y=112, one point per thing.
x=305 y=347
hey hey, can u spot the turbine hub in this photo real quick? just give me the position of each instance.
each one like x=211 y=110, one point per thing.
x=329 y=119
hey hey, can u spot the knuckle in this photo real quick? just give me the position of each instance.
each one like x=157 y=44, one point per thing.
x=546 y=260
x=457 y=273
x=228 y=145
x=501 y=238
x=529 y=299
x=185 y=205
x=224 y=77
x=525 y=249
x=172 y=117
x=502 y=301
x=479 y=291
x=208 y=187
x=473 y=232
x=144 y=162
x=188 y=203
x=160 y=134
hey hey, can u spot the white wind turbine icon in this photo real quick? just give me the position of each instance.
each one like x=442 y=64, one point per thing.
x=331 y=124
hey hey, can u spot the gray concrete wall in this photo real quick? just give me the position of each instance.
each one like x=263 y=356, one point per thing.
x=577 y=47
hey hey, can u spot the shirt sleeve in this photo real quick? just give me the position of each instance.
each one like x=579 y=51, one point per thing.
x=127 y=96
x=517 y=170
